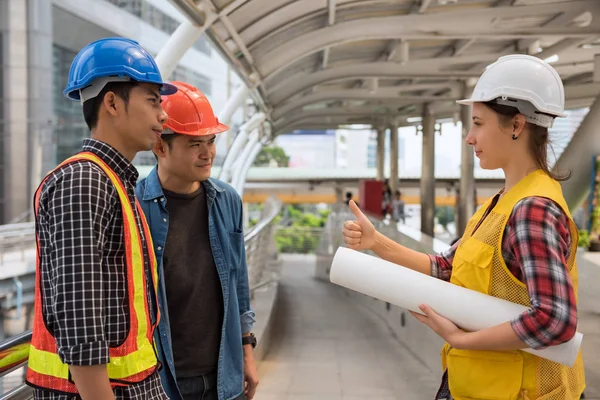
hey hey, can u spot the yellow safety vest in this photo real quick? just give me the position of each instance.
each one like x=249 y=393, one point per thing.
x=478 y=265
x=135 y=359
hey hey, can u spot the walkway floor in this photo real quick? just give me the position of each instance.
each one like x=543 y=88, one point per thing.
x=325 y=348
x=589 y=325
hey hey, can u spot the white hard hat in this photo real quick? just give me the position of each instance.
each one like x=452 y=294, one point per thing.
x=524 y=82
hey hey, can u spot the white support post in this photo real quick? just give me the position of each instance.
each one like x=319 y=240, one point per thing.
x=233 y=103
x=180 y=41
x=237 y=167
x=243 y=173
x=237 y=144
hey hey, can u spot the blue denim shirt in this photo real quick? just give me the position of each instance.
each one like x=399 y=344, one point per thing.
x=225 y=227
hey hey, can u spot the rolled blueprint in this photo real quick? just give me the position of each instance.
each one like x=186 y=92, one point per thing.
x=468 y=309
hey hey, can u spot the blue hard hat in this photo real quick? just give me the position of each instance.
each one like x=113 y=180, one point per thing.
x=112 y=60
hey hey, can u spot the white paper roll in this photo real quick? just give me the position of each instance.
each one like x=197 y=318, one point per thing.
x=406 y=288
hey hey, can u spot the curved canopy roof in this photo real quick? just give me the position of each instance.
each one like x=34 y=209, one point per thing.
x=320 y=63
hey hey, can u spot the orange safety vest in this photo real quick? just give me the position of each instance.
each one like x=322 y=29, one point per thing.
x=478 y=265
x=135 y=359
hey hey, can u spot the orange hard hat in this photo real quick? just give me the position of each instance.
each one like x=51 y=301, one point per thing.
x=190 y=113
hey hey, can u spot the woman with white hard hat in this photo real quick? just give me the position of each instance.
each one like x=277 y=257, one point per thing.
x=519 y=246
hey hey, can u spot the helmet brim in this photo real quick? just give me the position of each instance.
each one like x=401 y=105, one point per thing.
x=213 y=130
x=469 y=102
x=167 y=89
x=466 y=102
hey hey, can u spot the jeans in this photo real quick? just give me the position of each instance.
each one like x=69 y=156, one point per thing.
x=201 y=388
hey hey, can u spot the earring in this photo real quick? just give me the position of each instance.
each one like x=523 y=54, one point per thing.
x=514 y=137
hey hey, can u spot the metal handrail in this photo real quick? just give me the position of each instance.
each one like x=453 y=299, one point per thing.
x=14 y=351
x=263 y=223
x=8 y=228
x=259 y=244
x=22 y=392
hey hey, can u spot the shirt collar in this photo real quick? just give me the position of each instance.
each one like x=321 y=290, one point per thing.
x=115 y=160
x=153 y=189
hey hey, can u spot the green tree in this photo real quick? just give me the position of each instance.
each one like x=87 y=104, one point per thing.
x=276 y=153
x=444 y=215
x=301 y=234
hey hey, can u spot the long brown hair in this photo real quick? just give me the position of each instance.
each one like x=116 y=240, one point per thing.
x=538 y=138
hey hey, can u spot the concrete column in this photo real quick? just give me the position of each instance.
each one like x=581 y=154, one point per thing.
x=40 y=91
x=466 y=206
x=339 y=194
x=394 y=157
x=15 y=178
x=577 y=158
x=427 y=173
x=380 y=152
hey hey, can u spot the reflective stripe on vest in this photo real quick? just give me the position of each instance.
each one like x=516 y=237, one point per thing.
x=135 y=359
x=478 y=265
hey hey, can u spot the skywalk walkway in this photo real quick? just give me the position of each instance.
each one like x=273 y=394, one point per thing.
x=326 y=347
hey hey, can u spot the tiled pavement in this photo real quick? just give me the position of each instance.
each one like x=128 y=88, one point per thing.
x=325 y=348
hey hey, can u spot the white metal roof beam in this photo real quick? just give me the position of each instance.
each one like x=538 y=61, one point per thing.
x=364 y=94
x=450 y=25
x=578 y=78
x=332 y=123
x=559 y=47
x=530 y=45
x=283 y=18
x=330 y=21
x=335 y=112
x=228 y=9
x=576 y=95
x=331 y=12
x=389 y=53
x=431 y=67
x=564 y=18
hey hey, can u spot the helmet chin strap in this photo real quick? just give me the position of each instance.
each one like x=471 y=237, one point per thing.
x=94 y=89
x=531 y=114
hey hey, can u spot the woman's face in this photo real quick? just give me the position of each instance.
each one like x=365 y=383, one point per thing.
x=491 y=141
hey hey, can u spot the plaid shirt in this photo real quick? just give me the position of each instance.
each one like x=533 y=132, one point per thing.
x=83 y=266
x=535 y=246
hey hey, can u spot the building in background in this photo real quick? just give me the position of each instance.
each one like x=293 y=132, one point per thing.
x=39 y=127
x=352 y=147
x=308 y=148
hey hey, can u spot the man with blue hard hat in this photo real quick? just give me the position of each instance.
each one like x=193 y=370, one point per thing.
x=95 y=297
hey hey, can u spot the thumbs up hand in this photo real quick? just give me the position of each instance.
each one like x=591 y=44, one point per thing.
x=360 y=233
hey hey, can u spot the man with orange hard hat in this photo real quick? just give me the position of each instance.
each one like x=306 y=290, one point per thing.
x=204 y=339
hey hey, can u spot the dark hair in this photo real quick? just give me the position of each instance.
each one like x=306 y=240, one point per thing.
x=538 y=138
x=92 y=106
x=168 y=138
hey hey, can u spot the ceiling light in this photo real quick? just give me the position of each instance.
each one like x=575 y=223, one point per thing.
x=551 y=59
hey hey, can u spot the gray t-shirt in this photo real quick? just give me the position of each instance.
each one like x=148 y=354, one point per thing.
x=193 y=286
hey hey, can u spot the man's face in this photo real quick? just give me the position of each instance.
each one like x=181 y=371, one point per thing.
x=190 y=158
x=140 y=127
